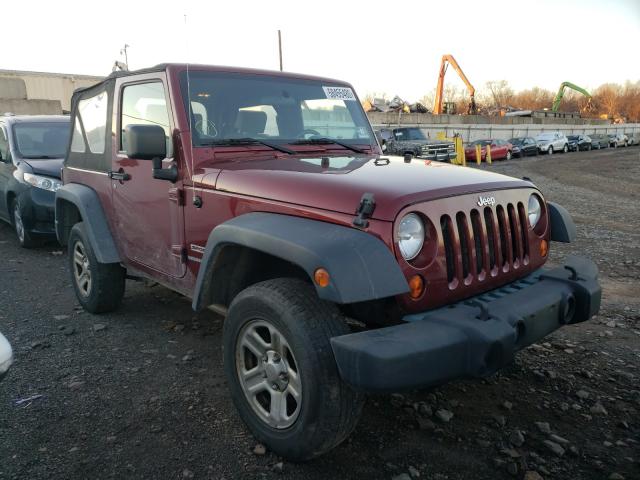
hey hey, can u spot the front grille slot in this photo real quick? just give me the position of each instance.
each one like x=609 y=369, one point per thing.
x=524 y=221
x=477 y=238
x=502 y=228
x=515 y=236
x=491 y=237
x=447 y=235
x=464 y=243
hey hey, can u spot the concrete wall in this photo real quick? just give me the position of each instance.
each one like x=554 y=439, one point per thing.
x=50 y=86
x=13 y=88
x=395 y=118
x=470 y=133
x=30 y=107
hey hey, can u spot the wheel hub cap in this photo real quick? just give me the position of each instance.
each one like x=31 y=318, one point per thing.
x=268 y=374
x=81 y=269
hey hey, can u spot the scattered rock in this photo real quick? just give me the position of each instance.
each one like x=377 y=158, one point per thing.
x=260 y=449
x=111 y=439
x=425 y=410
x=60 y=317
x=554 y=447
x=402 y=476
x=414 y=472
x=544 y=427
x=56 y=253
x=616 y=476
x=278 y=467
x=444 y=415
x=512 y=468
x=186 y=473
x=76 y=385
x=155 y=428
x=507 y=405
x=73 y=449
x=500 y=420
x=516 y=438
x=188 y=357
x=598 y=408
x=98 y=327
x=426 y=424
x=558 y=439
x=68 y=331
x=532 y=475
x=582 y=394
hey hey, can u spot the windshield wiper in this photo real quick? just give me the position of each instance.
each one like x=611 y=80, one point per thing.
x=325 y=140
x=249 y=141
x=40 y=157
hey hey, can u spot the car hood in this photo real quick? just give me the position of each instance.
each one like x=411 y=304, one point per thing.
x=50 y=167
x=337 y=183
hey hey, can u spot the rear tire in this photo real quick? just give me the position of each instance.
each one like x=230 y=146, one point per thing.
x=276 y=343
x=25 y=239
x=565 y=149
x=508 y=157
x=99 y=286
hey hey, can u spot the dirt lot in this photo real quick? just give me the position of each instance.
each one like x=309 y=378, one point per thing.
x=141 y=394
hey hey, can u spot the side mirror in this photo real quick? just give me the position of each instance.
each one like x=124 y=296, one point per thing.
x=148 y=142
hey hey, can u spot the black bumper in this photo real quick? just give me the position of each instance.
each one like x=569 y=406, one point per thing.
x=473 y=338
x=38 y=211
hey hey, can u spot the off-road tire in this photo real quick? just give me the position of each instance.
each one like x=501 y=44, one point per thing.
x=107 y=279
x=25 y=239
x=329 y=409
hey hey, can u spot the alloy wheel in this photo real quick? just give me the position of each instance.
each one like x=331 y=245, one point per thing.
x=81 y=269
x=268 y=374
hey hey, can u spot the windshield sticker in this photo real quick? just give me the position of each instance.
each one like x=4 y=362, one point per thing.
x=339 y=93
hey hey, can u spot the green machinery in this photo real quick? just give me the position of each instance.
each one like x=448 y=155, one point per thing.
x=560 y=94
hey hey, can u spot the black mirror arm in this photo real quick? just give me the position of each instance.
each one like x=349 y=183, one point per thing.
x=160 y=173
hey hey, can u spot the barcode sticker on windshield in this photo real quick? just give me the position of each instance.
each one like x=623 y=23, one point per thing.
x=339 y=93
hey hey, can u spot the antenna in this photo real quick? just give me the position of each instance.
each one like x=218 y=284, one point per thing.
x=280 y=48
x=189 y=114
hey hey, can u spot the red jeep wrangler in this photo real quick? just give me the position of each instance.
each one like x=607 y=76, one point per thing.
x=264 y=196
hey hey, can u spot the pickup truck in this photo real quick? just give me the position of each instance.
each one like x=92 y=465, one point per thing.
x=266 y=197
x=412 y=141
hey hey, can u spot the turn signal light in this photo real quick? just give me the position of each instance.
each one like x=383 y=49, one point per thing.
x=544 y=248
x=321 y=277
x=416 y=286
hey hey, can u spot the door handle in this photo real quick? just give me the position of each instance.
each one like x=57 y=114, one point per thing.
x=119 y=175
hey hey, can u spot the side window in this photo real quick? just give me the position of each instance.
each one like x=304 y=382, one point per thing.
x=4 y=145
x=93 y=113
x=144 y=104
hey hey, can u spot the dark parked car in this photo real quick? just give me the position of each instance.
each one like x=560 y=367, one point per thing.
x=6 y=356
x=579 y=142
x=32 y=150
x=524 y=146
x=598 y=141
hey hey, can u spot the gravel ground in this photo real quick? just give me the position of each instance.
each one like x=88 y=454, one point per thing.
x=141 y=394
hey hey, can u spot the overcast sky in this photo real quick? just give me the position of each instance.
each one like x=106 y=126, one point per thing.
x=392 y=46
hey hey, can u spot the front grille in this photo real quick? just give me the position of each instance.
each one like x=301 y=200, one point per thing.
x=438 y=151
x=484 y=242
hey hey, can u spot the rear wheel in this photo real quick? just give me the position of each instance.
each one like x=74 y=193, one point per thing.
x=25 y=239
x=550 y=150
x=508 y=157
x=281 y=369
x=99 y=287
x=565 y=149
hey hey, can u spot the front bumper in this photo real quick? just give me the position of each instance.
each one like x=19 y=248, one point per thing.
x=473 y=338
x=38 y=211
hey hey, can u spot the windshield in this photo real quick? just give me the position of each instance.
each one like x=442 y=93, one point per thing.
x=573 y=137
x=483 y=143
x=516 y=141
x=271 y=108
x=545 y=136
x=41 y=139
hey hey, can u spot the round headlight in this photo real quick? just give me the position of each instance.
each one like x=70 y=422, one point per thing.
x=410 y=236
x=535 y=210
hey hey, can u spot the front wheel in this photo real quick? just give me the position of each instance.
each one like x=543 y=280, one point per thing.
x=550 y=150
x=25 y=239
x=99 y=287
x=508 y=157
x=281 y=370
x=565 y=149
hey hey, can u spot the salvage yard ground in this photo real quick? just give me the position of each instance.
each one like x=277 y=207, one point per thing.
x=140 y=393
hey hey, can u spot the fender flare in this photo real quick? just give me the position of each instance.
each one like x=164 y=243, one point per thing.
x=360 y=265
x=562 y=227
x=88 y=204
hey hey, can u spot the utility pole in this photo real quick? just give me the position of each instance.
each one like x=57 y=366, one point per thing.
x=280 y=48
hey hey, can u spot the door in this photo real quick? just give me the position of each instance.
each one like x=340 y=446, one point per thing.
x=6 y=172
x=148 y=212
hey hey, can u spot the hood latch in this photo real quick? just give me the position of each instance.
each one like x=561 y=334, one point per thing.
x=364 y=210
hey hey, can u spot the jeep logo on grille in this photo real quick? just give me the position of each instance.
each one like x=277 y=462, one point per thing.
x=484 y=201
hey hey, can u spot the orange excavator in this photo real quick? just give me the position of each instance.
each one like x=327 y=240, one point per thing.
x=438 y=107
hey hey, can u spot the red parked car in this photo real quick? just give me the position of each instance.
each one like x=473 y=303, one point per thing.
x=500 y=149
